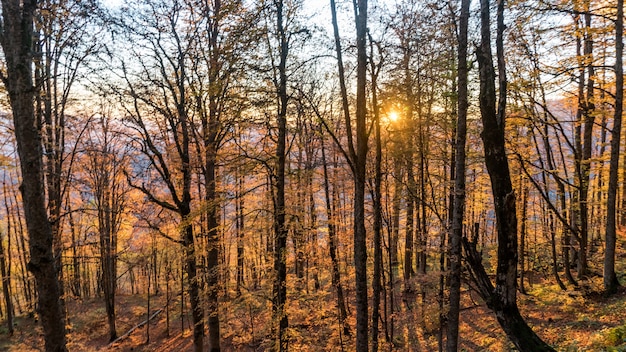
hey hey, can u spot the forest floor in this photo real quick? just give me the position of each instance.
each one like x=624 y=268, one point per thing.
x=572 y=320
x=568 y=320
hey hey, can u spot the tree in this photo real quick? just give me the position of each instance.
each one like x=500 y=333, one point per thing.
x=63 y=46
x=279 y=313
x=5 y=277
x=377 y=196
x=458 y=203
x=217 y=48
x=105 y=178
x=356 y=157
x=501 y=299
x=332 y=247
x=16 y=39
x=160 y=115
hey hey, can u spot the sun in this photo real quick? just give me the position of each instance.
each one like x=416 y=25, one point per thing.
x=393 y=116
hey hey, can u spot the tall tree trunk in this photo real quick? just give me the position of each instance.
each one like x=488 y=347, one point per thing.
x=407 y=139
x=458 y=203
x=16 y=38
x=360 y=246
x=356 y=155
x=378 y=208
x=421 y=254
x=583 y=137
x=610 y=279
x=394 y=233
x=213 y=271
x=211 y=143
x=107 y=255
x=280 y=229
x=501 y=299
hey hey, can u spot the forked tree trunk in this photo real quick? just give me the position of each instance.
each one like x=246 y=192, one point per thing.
x=501 y=299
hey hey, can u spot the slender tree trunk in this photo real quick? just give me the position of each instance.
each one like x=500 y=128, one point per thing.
x=560 y=199
x=583 y=137
x=410 y=216
x=239 y=227
x=422 y=222
x=407 y=138
x=555 y=271
x=107 y=258
x=332 y=248
x=313 y=225
x=360 y=246
x=280 y=229
x=394 y=233
x=610 y=279
x=182 y=295
x=20 y=238
x=210 y=127
x=378 y=209
x=148 y=308
x=357 y=154
x=76 y=289
x=6 y=286
x=522 y=249
x=458 y=202
x=168 y=277
x=16 y=38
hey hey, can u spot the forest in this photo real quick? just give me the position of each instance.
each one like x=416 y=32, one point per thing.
x=290 y=175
